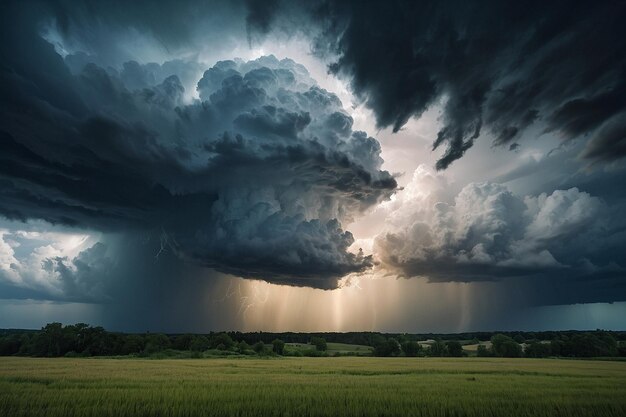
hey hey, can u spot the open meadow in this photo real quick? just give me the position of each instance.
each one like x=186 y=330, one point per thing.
x=343 y=386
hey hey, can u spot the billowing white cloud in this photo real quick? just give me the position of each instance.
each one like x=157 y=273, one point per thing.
x=56 y=263
x=486 y=232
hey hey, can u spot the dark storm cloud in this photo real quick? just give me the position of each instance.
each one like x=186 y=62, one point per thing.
x=83 y=277
x=257 y=176
x=254 y=179
x=609 y=143
x=498 y=66
x=110 y=33
x=137 y=279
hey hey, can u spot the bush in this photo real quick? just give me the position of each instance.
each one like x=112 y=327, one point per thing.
x=314 y=353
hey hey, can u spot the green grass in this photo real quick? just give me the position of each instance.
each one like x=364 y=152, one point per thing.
x=474 y=348
x=346 y=386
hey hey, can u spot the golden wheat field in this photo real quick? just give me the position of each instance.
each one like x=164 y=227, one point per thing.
x=346 y=386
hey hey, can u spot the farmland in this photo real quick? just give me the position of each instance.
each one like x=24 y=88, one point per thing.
x=347 y=386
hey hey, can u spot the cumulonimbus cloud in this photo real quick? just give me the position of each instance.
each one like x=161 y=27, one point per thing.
x=253 y=178
x=252 y=169
x=499 y=67
x=486 y=232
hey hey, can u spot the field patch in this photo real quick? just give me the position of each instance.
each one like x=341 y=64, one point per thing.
x=345 y=386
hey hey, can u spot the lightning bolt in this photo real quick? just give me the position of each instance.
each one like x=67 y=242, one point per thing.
x=164 y=241
x=249 y=301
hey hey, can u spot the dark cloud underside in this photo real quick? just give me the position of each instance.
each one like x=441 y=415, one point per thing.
x=253 y=179
x=252 y=169
x=500 y=67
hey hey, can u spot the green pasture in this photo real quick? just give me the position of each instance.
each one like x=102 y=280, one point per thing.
x=329 y=386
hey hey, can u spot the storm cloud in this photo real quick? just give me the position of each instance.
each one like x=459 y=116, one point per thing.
x=253 y=178
x=564 y=240
x=498 y=67
x=143 y=166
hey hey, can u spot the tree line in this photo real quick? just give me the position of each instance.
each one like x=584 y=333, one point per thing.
x=81 y=339
x=576 y=345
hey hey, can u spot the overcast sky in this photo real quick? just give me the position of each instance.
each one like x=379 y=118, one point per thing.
x=315 y=166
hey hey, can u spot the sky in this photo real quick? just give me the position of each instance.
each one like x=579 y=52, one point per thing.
x=391 y=166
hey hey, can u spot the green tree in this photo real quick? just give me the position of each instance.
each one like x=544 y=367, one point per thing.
x=183 y=341
x=390 y=347
x=242 y=347
x=156 y=342
x=482 y=351
x=319 y=343
x=589 y=345
x=259 y=347
x=537 y=350
x=199 y=344
x=411 y=348
x=222 y=341
x=133 y=343
x=10 y=344
x=505 y=347
x=54 y=340
x=454 y=348
x=557 y=347
x=437 y=349
x=278 y=346
x=100 y=342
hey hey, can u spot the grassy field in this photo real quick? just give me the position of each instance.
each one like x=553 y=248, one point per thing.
x=474 y=347
x=346 y=386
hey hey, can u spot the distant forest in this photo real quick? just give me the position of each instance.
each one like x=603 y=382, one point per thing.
x=83 y=340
